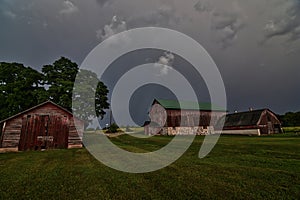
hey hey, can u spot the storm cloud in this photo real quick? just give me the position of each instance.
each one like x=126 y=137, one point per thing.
x=225 y=23
x=68 y=8
x=116 y=26
x=255 y=44
x=286 y=22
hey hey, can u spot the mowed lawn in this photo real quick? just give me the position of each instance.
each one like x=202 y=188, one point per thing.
x=239 y=167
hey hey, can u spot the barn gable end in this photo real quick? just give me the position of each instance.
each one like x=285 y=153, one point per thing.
x=254 y=122
x=35 y=122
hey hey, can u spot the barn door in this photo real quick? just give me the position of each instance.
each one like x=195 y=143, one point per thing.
x=270 y=128
x=44 y=132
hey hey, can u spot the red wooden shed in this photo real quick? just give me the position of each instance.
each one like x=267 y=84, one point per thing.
x=45 y=126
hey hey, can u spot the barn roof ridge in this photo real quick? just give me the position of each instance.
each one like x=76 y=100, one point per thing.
x=34 y=107
x=249 y=111
x=245 y=118
x=188 y=105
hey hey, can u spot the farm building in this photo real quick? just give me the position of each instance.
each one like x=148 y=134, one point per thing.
x=253 y=122
x=45 y=126
x=170 y=117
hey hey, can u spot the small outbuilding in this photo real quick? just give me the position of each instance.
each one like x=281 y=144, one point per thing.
x=172 y=117
x=45 y=126
x=253 y=122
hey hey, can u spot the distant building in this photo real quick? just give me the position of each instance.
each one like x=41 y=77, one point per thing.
x=45 y=126
x=253 y=122
x=170 y=117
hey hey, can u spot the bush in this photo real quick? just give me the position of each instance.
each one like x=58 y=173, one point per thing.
x=113 y=128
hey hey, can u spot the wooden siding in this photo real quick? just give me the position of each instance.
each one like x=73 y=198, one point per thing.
x=267 y=123
x=181 y=122
x=12 y=127
x=44 y=132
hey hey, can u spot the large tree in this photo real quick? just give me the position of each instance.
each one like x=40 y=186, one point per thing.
x=21 y=88
x=90 y=96
x=60 y=78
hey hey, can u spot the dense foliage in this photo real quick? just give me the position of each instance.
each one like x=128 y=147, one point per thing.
x=113 y=128
x=23 y=87
x=290 y=119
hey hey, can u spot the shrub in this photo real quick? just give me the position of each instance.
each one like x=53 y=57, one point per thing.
x=113 y=128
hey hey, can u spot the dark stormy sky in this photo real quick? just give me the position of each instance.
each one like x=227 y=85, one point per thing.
x=255 y=44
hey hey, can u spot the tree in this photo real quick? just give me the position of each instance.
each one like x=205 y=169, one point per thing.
x=21 y=88
x=290 y=119
x=87 y=98
x=60 y=77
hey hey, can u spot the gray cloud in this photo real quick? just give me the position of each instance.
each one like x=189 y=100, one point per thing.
x=203 y=6
x=68 y=8
x=102 y=2
x=227 y=27
x=36 y=33
x=116 y=26
x=9 y=14
x=162 y=16
x=285 y=23
x=165 y=63
x=226 y=22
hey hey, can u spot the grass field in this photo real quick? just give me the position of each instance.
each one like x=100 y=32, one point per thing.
x=239 y=167
x=292 y=129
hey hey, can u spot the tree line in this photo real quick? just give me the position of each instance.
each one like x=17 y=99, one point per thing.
x=290 y=119
x=24 y=87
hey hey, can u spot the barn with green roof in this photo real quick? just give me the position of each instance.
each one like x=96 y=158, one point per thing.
x=172 y=117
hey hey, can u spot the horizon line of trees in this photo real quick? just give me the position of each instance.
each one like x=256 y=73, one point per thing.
x=24 y=87
x=290 y=119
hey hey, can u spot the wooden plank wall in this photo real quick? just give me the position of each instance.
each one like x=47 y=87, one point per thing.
x=182 y=122
x=12 y=130
x=187 y=118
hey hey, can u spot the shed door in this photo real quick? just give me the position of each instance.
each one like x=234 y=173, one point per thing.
x=44 y=132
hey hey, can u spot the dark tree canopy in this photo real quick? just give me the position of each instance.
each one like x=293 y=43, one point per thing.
x=84 y=104
x=290 y=119
x=21 y=88
x=60 y=77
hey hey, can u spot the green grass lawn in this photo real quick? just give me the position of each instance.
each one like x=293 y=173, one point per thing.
x=239 y=167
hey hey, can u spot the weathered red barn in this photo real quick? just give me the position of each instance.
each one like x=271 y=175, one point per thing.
x=45 y=126
x=253 y=122
x=170 y=117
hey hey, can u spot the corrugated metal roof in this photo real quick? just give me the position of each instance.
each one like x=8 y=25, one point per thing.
x=248 y=118
x=188 y=105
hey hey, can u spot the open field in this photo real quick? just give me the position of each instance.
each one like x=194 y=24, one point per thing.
x=245 y=167
x=291 y=129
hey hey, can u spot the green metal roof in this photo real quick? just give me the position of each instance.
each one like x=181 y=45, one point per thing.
x=188 y=105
